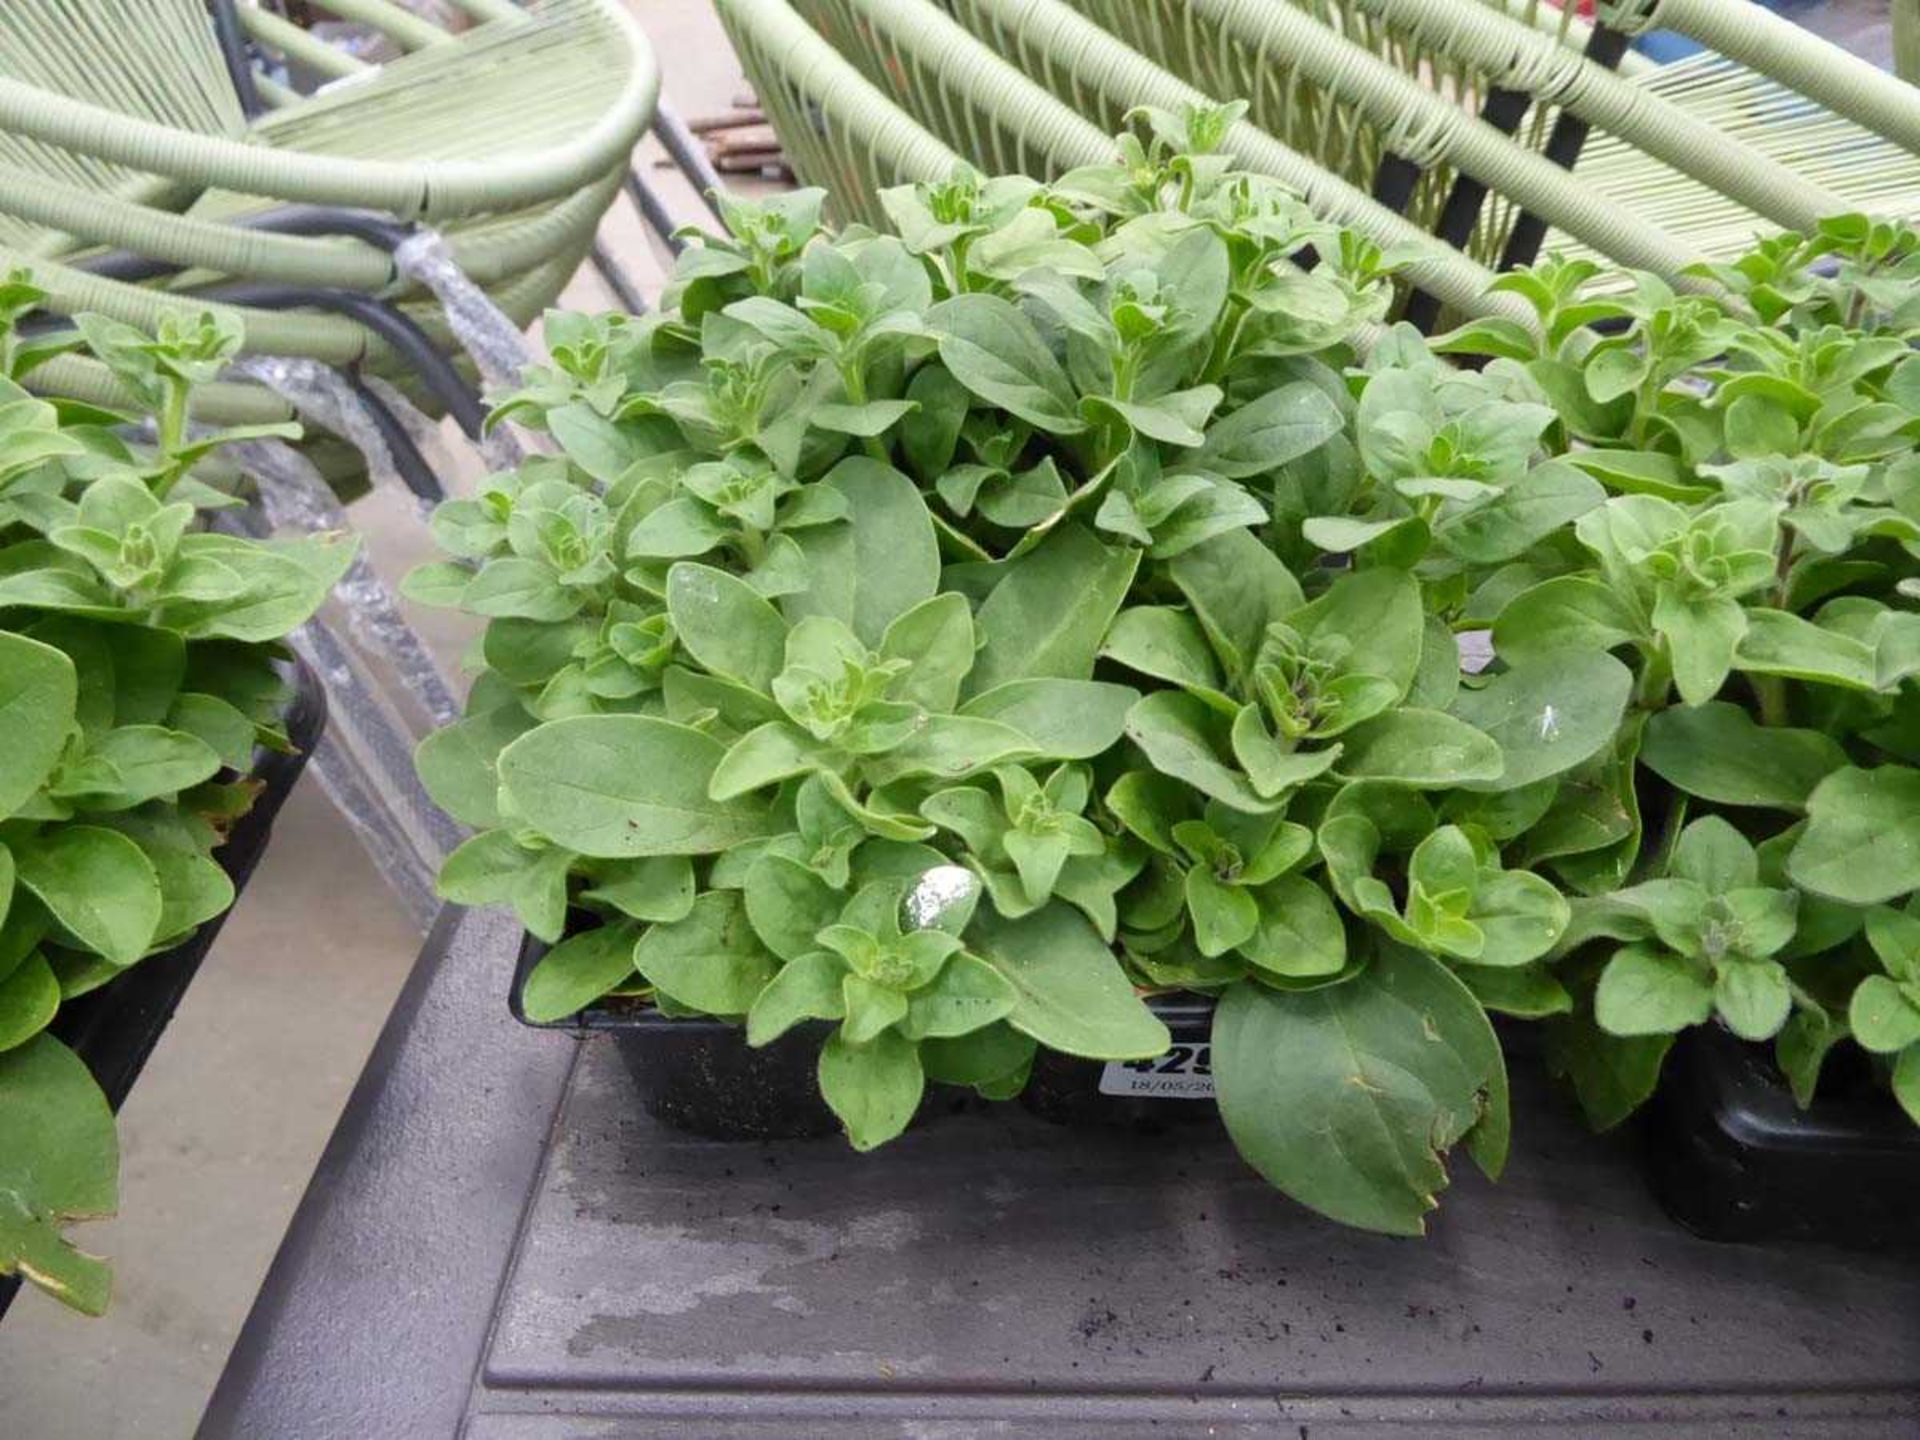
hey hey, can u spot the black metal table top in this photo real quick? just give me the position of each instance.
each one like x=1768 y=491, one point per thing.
x=500 y=1244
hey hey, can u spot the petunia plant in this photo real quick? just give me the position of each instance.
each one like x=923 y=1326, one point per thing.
x=951 y=639
x=140 y=667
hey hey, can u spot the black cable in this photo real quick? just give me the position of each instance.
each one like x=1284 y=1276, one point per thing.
x=233 y=50
x=412 y=466
x=1504 y=110
x=1605 y=46
x=386 y=321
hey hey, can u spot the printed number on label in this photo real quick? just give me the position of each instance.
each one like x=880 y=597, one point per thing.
x=1184 y=1073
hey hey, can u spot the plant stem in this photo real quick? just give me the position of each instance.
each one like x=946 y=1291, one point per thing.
x=173 y=433
x=855 y=384
x=1656 y=678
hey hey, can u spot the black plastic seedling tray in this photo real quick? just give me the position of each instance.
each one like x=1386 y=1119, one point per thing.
x=499 y=1243
x=700 y=1075
x=1728 y=1153
x=1732 y=1157
x=114 y=1029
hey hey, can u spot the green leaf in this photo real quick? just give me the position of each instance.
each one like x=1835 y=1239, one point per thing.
x=59 y=1161
x=995 y=1059
x=993 y=349
x=1906 y=1082
x=1182 y=738
x=1883 y=1017
x=1421 y=748
x=1639 y=472
x=1612 y=1076
x=1165 y=643
x=808 y=987
x=285 y=581
x=1894 y=936
x=623 y=785
x=1648 y=991
x=193 y=889
x=872 y=568
x=1802 y=1047
x=967 y=995
x=1172 y=419
x=458 y=764
x=1526 y=992
x=1752 y=997
x=1567 y=613
x=871 y=1008
x=129 y=674
x=218 y=724
x=1050 y=611
x=711 y=961
x=578 y=971
x=97 y=884
x=442 y=584
x=725 y=625
x=681 y=527
x=38 y=693
x=874 y=1088
x=597 y=445
x=1063 y=719
x=875 y=417
x=950 y=747
x=651 y=887
x=1549 y=714
x=1720 y=753
x=766 y=755
x=1237 y=587
x=1223 y=915
x=1777 y=643
x=929 y=434
x=1703 y=636
x=936 y=639
x=1299 y=935
x=1862 y=841
x=1274 y=770
x=29 y=997
x=1520 y=516
x=494 y=868
x=1280 y=426
x=788 y=904
x=1348 y=1097
x=1074 y=997
x=132 y=764
x=1520 y=915
x=1377 y=613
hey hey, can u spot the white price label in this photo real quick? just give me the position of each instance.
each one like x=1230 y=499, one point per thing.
x=1184 y=1073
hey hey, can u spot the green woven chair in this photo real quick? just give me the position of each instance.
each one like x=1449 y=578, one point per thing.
x=121 y=130
x=1474 y=97
x=1778 y=129
x=838 y=130
x=1000 y=119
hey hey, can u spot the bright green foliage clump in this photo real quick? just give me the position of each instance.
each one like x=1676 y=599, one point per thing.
x=139 y=670
x=955 y=635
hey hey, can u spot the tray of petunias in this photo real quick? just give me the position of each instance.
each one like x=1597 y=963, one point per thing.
x=151 y=722
x=953 y=639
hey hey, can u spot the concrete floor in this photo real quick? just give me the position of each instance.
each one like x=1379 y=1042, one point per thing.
x=222 y=1131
